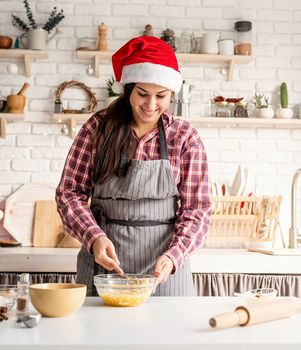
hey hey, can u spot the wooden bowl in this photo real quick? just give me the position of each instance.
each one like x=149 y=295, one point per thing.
x=15 y=103
x=57 y=299
x=5 y=42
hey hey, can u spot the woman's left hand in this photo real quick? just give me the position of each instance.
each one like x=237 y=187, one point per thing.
x=163 y=268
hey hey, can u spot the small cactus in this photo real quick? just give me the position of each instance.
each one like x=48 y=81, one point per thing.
x=283 y=95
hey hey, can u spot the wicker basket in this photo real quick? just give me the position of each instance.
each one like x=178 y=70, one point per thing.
x=239 y=222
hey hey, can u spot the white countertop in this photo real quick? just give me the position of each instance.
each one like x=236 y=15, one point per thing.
x=29 y=259
x=161 y=323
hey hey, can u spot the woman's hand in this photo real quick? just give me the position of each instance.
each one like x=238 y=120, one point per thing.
x=105 y=254
x=162 y=270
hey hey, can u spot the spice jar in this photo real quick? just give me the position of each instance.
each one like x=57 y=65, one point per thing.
x=23 y=293
x=243 y=45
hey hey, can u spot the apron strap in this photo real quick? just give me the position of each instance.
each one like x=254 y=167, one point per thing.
x=162 y=140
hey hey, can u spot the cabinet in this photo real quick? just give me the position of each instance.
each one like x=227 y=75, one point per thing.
x=230 y=61
x=27 y=56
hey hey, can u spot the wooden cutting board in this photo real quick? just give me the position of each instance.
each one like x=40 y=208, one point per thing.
x=48 y=226
x=280 y=251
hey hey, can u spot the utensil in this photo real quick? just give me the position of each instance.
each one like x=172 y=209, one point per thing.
x=31 y=320
x=258 y=295
x=116 y=290
x=5 y=42
x=8 y=295
x=2 y=105
x=9 y=243
x=57 y=299
x=256 y=313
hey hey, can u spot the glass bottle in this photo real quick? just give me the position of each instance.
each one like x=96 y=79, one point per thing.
x=243 y=45
x=23 y=293
x=57 y=106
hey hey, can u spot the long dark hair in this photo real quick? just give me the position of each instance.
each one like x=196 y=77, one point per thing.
x=113 y=137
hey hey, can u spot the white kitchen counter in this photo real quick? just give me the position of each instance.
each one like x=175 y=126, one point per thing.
x=161 y=323
x=29 y=259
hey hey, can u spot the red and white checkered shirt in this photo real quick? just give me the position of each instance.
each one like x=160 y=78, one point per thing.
x=189 y=165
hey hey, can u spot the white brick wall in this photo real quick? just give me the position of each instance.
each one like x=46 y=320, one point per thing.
x=35 y=150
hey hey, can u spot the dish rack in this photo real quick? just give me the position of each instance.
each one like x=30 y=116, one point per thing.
x=241 y=222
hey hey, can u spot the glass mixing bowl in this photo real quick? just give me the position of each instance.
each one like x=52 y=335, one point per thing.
x=8 y=295
x=132 y=290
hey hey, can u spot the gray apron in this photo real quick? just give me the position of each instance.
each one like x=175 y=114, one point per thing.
x=137 y=212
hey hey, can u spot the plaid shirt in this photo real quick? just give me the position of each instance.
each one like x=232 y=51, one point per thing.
x=189 y=165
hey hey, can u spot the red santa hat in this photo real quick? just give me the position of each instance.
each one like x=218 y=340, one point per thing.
x=146 y=59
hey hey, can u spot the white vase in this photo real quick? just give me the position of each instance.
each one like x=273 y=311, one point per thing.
x=285 y=113
x=265 y=112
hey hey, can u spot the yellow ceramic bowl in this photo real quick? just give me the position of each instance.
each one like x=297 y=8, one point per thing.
x=132 y=290
x=57 y=299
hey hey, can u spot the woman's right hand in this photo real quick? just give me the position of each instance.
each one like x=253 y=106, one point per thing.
x=105 y=254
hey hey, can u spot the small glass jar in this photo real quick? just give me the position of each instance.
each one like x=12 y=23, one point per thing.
x=23 y=293
x=186 y=42
x=243 y=44
x=87 y=44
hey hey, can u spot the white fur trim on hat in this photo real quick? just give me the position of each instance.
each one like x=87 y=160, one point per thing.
x=117 y=87
x=153 y=74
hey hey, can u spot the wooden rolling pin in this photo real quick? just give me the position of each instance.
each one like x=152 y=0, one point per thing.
x=259 y=312
x=23 y=88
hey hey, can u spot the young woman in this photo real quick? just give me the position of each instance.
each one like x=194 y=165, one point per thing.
x=146 y=174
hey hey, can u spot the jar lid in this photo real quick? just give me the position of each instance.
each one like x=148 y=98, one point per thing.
x=243 y=26
x=24 y=277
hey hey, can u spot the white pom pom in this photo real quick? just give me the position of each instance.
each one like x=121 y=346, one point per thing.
x=117 y=87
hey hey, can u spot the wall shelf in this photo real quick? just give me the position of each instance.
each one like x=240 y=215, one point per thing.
x=71 y=120
x=8 y=117
x=27 y=55
x=230 y=61
x=244 y=122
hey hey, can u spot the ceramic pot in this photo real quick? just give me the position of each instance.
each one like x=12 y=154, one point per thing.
x=15 y=103
x=210 y=43
x=265 y=112
x=285 y=113
x=5 y=42
x=2 y=105
x=36 y=39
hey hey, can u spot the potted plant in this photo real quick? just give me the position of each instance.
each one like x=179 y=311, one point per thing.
x=111 y=94
x=37 y=36
x=261 y=103
x=284 y=111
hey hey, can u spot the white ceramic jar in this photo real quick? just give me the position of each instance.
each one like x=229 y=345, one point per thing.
x=226 y=47
x=210 y=43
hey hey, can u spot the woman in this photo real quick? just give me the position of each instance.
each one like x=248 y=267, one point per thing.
x=146 y=174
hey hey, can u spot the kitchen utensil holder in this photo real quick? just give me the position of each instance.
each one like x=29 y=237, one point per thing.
x=239 y=222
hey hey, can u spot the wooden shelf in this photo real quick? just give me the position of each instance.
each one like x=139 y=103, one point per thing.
x=244 y=122
x=230 y=61
x=27 y=55
x=8 y=117
x=71 y=120
x=198 y=122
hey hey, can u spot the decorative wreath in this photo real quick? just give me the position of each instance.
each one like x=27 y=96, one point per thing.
x=67 y=84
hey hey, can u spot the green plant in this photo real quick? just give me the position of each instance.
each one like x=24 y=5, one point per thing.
x=54 y=19
x=260 y=101
x=283 y=95
x=109 y=85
